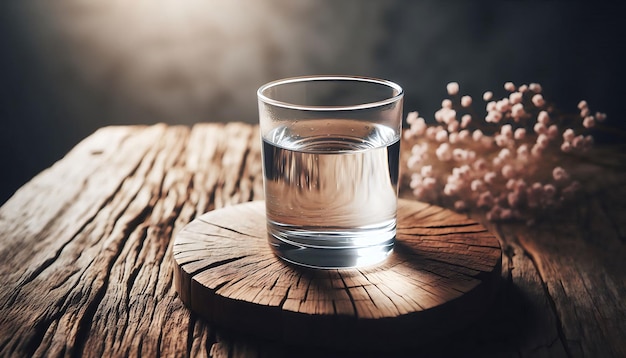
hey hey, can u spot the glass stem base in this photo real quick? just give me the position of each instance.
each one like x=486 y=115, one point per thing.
x=297 y=247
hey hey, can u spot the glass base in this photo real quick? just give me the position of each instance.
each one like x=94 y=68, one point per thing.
x=306 y=248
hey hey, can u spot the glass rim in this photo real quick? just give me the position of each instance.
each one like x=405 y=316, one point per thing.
x=298 y=79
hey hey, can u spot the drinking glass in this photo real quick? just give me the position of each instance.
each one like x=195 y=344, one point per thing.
x=331 y=149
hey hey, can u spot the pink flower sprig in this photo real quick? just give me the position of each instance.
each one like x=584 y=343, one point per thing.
x=506 y=161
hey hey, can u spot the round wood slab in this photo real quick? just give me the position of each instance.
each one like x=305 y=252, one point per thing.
x=442 y=275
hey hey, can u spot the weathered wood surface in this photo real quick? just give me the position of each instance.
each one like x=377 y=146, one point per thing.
x=443 y=274
x=87 y=269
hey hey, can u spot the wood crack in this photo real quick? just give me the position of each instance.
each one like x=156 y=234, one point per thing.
x=345 y=286
x=434 y=211
x=403 y=231
x=447 y=226
x=216 y=264
x=191 y=323
x=550 y=299
x=39 y=331
x=86 y=320
x=284 y=298
x=211 y=235
x=242 y=170
x=547 y=346
x=379 y=289
x=226 y=228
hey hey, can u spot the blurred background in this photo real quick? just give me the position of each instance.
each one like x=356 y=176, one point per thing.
x=68 y=67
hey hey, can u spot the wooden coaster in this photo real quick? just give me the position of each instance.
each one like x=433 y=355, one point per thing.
x=442 y=275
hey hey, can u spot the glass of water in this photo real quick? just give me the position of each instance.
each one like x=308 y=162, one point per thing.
x=331 y=148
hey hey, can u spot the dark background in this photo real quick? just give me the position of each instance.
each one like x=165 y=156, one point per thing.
x=69 y=67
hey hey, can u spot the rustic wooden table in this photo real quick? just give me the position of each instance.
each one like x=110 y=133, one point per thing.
x=87 y=268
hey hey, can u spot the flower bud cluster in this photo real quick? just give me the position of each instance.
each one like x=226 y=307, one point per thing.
x=506 y=162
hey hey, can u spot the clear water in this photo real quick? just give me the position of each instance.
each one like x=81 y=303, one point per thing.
x=331 y=192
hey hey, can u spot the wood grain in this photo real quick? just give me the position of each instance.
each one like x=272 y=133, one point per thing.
x=443 y=273
x=86 y=264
